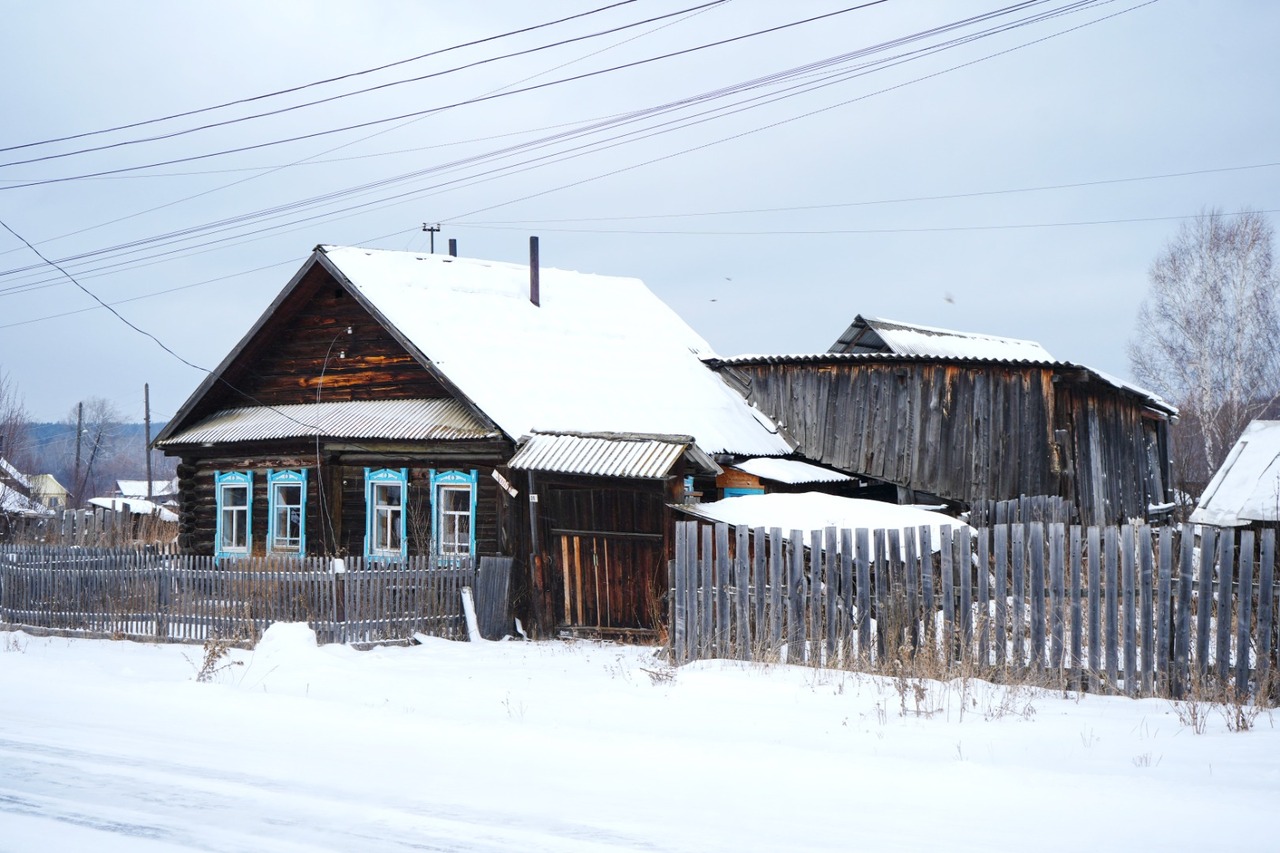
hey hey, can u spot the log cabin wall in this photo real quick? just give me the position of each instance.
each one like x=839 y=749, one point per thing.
x=335 y=503
x=970 y=431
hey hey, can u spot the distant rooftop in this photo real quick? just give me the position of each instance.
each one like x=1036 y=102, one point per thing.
x=878 y=335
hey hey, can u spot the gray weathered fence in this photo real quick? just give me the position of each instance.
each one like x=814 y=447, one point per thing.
x=1139 y=609
x=157 y=594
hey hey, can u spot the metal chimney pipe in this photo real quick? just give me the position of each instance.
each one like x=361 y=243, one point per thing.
x=453 y=247
x=535 y=295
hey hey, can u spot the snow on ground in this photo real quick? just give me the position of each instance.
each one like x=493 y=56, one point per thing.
x=113 y=746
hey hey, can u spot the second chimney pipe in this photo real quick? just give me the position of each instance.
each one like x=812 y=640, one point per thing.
x=534 y=294
x=453 y=247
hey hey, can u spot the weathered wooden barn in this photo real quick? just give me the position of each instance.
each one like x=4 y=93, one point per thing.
x=390 y=404
x=956 y=418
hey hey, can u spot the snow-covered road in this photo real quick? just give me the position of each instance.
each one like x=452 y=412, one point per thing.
x=574 y=747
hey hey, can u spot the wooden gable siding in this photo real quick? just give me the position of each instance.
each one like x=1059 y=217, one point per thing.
x=305 y=355
x=973 y=432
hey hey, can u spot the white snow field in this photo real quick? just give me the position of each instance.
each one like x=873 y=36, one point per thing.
x=559 y=746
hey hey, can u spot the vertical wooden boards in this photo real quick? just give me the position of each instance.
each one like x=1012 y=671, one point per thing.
x=795 y=598
x=1128 y=581
x=1037 y=595
x=984 y=598
x=1164 y=612
x=759 y=584
x=846 y=595
x=1002 y=592
x=777 y=580
x=742 y=592
x=1077 y=612
x=926 y=590
x=1182 y=626
x=962 y=544
x=722 y=571
x=1057 y=593
x=862 y=550
x=1111 y=554
x=831 y=590
x=1018 y=617
x=947 y=553
x=1266 y=613
x=1244 y=613
x=1222 y=642
x=1146 y=607
x=1204 y=597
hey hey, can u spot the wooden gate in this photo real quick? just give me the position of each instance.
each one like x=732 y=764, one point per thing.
x=611 y=580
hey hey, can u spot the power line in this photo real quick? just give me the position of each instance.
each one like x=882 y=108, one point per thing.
x=431 y=110
x=239 y=119
x=224 y=225
x=318 y=82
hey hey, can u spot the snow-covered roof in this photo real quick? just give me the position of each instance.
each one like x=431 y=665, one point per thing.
x=609 y=455
x=8 y=471
x=1246 y=488
x=14 y=502
x=421 y=420
x=875 y=334
x=808 y=511
x=135 y=506
x=793 y=472
x=138 y=488
x=599 y=354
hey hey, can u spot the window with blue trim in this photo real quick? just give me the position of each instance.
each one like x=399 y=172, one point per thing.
x=384 y=495
x=453 y=513
x=287 y=511
x=234 y=495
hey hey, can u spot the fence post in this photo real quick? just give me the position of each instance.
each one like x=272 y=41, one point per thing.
x=1244 y=613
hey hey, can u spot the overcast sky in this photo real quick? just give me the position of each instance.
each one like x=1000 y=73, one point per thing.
x=1019 y=182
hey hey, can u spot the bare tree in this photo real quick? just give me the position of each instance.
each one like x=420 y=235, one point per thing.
x=1207 y=332
x=14 y=423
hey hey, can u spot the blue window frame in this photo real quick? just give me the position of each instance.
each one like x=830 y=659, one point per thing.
x=233 y=532
x=287 y=511
x=453 y=513
x=385 y=491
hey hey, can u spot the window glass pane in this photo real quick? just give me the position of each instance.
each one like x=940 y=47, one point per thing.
x=234 y=517
x=387 y=511
x=287 y=501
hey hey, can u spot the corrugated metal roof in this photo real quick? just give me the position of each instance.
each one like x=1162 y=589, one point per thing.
x=874 y=334
x=407 y=420
x=605 y=455
x=1155 y=401
x=793 y=472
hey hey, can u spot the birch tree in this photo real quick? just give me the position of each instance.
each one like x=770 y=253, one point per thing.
x=1208 y=333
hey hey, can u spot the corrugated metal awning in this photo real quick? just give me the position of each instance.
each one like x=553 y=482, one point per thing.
x=793 y=472
x=644 y=457
x=406 y=420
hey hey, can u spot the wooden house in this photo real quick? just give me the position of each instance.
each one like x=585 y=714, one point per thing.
x=390 y=404
x=962 y=419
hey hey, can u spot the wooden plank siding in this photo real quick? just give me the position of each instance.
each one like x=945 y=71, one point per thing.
x=971 y=431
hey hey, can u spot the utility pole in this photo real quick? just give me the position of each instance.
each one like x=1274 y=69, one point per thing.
x=432 y=229
x=146 y=408
x=75 y=481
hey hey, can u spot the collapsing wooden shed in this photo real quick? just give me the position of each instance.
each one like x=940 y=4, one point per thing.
x=945 y=416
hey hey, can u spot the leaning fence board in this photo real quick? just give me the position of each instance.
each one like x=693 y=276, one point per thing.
x=1057 y=593
x=963 y=563
x=1018 y=547
x=1036 y=587
x=1077 y=615
x=796 y=598
x=1128 y=603
x=1244 y=612
x=1146 y=606
x=1164 y=611
x=1204 y=597
x=984 y=598
x=1002 y=592
x=1111 y=557
x=862 y=548
x=742 y=596
x=1266 y=580
x=947 y=556
x=1222 y=611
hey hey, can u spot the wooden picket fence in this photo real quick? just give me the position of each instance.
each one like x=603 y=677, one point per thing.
x=1135 y=609
x=155 y=593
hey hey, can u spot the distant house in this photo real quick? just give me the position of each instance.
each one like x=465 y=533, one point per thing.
x=139 y=489
x=390 y=404
x=1245 y=490
x=17 y=504
x=46 y=489
x=940 y=416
